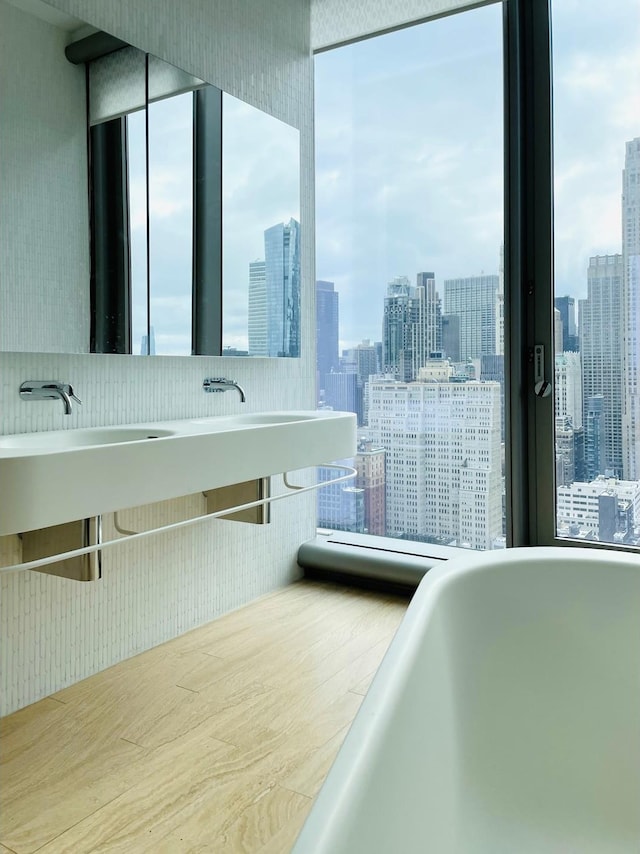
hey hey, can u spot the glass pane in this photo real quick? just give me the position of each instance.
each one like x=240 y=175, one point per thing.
x=171 y=224
x=596 y=73
x=409 y=231
x=260 y=233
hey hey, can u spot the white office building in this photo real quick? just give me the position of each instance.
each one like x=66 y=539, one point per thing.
x=443 y=458
x=579 y=503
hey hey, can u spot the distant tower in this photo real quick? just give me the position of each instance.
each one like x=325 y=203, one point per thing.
x=600 y=322
x=341 y=391
x=474 y=301
x=451 y=336
x=412 y=325
x=327 y=316
x=631 y=311
x=274 y=309
x=594 y=437
x=257 y=321
x=567 y=308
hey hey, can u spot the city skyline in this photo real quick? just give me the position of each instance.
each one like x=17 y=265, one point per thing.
x=421 y=409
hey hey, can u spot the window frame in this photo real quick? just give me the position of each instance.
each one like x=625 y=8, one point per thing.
x=529 y=272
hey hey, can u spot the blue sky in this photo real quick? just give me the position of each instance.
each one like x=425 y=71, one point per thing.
x=409 y=148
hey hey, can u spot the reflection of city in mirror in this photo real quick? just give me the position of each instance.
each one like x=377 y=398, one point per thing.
x=201 y=249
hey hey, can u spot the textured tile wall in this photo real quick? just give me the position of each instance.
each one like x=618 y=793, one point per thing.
x=334 y=21
x=53 y=631
x=44 y=257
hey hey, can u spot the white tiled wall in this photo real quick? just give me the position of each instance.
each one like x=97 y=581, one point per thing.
x=54 y=631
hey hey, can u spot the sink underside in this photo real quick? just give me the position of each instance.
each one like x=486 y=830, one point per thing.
x=54 y=477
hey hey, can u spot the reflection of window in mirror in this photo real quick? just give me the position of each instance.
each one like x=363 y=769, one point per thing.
x=195 y=221
x=170 y=163
x=260 y=233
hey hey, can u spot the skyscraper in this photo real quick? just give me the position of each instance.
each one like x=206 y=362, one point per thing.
x=567 y=308
x=631 y=311
x=451 y=336
x=599 y=325
x=274 y=301
x=257 y=319
x=396 y=323
x=327 y=316
x=594 y=437
x=412 y=325
x=341 y=391
x=362 y=360
x=473 y=299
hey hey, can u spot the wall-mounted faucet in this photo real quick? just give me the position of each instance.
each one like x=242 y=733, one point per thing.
x=219 y=384
x=49 y=390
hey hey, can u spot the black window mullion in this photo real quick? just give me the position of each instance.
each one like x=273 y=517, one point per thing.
x=110 y=250
x=529 y=272
x=207 y=222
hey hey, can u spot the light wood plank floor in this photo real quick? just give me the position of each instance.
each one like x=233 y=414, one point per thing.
x=216 y=741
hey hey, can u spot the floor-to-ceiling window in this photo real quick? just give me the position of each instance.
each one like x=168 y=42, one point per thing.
x=410 y=268
x=596 y=140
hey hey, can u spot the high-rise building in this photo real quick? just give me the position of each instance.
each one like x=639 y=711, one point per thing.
x=341 y=391
x=363 y=361
x=570 y=464
x=473 y=299
x=327 y=317
x=257 y=318
x=567 y=308
x=451 y=336
x=568 y=396
x=370 y=465
x=412 y=325
x=631 y=311
x=274 y=301
x=443 y=463
x=594 y=437
x=600 y=319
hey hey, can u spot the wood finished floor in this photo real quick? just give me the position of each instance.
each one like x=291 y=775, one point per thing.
x=216 y=741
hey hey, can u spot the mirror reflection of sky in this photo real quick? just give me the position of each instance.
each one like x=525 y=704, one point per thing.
x=260 y=179
x=409 y=151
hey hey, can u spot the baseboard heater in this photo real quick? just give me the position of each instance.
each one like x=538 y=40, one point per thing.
x=362 y=557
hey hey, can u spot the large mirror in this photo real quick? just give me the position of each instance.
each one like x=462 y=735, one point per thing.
x=191 y=243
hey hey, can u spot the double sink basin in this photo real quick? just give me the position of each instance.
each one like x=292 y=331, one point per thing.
x=53 y=477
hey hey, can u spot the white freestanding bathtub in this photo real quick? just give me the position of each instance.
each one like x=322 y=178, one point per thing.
x=504 y=719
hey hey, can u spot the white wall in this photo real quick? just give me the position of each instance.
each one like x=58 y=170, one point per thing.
x=54 y=631
x=44 y=230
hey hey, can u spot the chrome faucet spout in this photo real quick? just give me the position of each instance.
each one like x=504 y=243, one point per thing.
x=220 y=384
x=64 y=397
x=49 y=390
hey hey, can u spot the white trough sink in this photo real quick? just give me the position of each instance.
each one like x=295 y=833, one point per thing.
x=54 y=477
